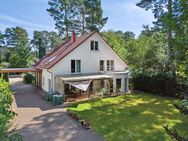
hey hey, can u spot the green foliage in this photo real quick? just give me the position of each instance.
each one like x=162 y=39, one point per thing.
x=94 y=15
x=5 y=77
x=16 y=48
x=44 y=41
x=160 y=84
x=63 y=14
x=77 y=15
x=29 y=78
x=145 y=54
x=173 y=133
x=116 y=41
x=6 y=114
x=137 y=116
x=22 y=57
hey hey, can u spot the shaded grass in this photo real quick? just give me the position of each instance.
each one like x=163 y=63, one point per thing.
x=137 y=117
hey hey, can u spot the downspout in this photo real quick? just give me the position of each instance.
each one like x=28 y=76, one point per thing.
x=52 y=79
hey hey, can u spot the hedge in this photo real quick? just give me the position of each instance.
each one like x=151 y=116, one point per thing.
x=28 y=78
x=160 y=84
x=6 y=115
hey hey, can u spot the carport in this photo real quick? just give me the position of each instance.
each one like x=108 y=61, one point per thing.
x=37 y=72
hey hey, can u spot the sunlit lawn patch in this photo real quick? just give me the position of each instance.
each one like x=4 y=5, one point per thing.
x=137 y=117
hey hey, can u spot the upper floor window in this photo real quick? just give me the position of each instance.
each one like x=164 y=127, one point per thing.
x=101 y=65
x=75 y=66
x=110 y=65
x=94 y=45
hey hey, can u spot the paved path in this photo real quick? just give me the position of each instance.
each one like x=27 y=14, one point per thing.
x=39 y=120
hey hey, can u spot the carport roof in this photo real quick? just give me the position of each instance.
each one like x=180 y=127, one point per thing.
x=83 y=77
x=8 y=70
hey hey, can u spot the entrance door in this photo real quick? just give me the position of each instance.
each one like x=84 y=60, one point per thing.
x=118 y=85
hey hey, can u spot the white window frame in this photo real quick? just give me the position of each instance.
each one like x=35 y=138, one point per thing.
x=110 y=65
x=102 y=66
x=77 y=67
x=94 y=45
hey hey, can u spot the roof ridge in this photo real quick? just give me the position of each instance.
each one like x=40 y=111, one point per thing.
x=60 y=52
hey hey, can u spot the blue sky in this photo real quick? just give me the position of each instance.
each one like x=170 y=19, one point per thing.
x=32 y=15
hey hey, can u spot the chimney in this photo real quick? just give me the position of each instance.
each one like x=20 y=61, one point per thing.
x=73 y=37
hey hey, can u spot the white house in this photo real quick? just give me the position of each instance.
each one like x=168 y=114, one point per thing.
x=86 y=63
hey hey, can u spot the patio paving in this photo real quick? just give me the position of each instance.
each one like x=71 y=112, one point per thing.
x=40 y=120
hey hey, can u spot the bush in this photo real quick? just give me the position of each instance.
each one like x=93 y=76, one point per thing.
x=5 y=112
x=5 y=76
x=160 y=84
x=28 y=78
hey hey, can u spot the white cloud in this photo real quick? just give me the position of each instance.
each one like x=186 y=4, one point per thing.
x=15 y=21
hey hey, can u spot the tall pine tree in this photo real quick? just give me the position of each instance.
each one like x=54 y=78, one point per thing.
x=163 y=12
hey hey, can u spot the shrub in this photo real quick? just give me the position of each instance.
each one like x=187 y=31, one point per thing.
x=5 y=76
x=160 y=84
x=28 y=78
x=6 y=114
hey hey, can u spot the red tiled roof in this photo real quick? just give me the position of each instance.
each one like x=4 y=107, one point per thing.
x=59 y=53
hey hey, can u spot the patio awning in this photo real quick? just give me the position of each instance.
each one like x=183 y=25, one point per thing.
x=82 y=85
x=81 y=81
x=82 y=77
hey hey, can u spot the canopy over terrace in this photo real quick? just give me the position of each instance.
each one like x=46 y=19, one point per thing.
x=9 y=70
x=82 y=82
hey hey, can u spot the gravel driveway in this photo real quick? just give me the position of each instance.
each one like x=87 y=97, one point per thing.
x=39 y=120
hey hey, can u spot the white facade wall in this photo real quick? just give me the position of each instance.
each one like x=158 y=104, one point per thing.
x=45 y=80
x=59 y=86
x=89 y=58
x=89 y=64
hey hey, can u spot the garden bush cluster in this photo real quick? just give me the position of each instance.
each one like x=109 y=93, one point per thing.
x=160 y=84
x=6 y=114
x=29 y=78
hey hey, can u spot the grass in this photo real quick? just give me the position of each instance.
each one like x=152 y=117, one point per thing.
x=136 y=117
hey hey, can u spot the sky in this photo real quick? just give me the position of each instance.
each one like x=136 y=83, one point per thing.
x=32 y=15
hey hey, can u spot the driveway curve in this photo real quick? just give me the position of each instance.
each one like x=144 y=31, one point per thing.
x=39 y=120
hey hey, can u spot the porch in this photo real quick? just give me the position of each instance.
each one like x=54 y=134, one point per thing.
x=82 y=87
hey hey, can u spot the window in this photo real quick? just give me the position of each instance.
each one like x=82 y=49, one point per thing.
x=75 y=66
x=94 y=45
x=78 y=66
x=101 y=65
x=110 y=65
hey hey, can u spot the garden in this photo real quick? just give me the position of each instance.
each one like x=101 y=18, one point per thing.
x=137 y=116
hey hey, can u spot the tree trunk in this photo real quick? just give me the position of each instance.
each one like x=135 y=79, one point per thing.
x=170 y=40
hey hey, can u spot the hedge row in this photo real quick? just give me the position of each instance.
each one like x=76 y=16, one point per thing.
x=160 y=84
x=6 y=114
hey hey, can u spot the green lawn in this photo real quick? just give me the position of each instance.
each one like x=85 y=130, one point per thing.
x=136 y=117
